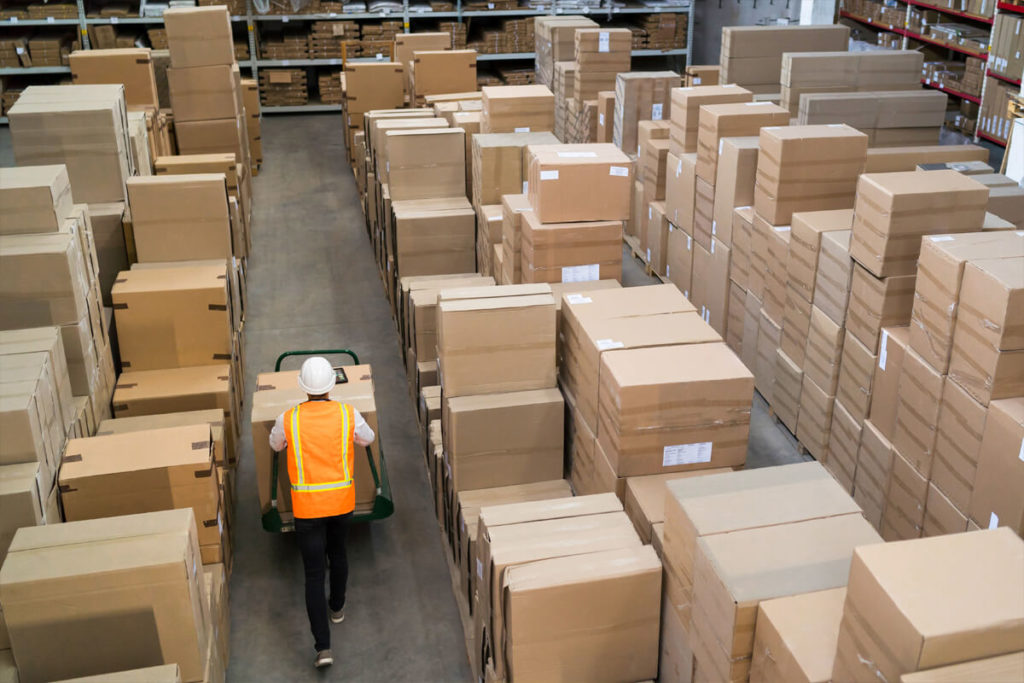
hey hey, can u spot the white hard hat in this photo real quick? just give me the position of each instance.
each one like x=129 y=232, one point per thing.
x=316 y=376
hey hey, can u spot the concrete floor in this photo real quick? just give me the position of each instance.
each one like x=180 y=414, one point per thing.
x=312 y=283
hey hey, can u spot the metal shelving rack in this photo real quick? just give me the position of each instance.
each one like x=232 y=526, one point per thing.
x=408 y=15
x=909 y=35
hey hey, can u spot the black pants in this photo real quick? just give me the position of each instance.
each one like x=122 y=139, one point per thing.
x=322 y=540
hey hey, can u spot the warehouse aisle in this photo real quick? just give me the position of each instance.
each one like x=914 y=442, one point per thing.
x=312 y=284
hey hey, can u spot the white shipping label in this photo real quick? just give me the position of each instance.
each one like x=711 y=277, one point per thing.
x=578 y=299
x=585 y=273
x=549 y=175
x=523 y=129
x=696 y=80
x=721 y=143
x=941 y=238
x=686 y=454
x=713 y=246
x=604 y=42
x=526 y=186
x=19 y=50
x=689 y=243
x=883 y=350
x=648 y=254
x=679 y=168
x=656 y=111
x=668 y=273
x=479 y=568
x=707 y=316
x=993 y=521
x=575 y=155
x=600 y=117
x=714 y=231
x=1021 y=454
x=650 y=213
x=620 y=171
x=605 y=344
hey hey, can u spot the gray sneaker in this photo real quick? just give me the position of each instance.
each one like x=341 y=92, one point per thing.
x=323 y=659
x=338 y=617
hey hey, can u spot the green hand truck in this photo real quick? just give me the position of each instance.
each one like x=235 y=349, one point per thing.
x=383 y=506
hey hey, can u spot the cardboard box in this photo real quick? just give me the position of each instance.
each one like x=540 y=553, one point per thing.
x=734 y=185
x=497 y=344
x=876 y=303
x=897 y=159
x=710 y=288
x=570 y=252
x=380 y=144
x=835 y=270
x=686 y=104
x=31 y=300
x=167 y=673
x=844 y=440
x=37 y=199
x=644 y=499
x=675 y=663
x=884 y=386
x=1009 y=667
x=179 y=218
x=731 y=579
x=36 y=360
x=434 y=236
x=406 y=44
x=615 y=592
x=988 y=341
x=154 y=559
x=958 y=444
x=681 y=191
x=199 y=36
x=856 y=377
x=214 y=418
x=679 y=259
x=880 y=609
x=412 y=152
x=796 y=322
x=654 y=237
x=643 y=430
x=719 y=121
x=941 y=517
x=824 y=348
x=905 y=498
x=940 y=270
x=895 y=210
x=751 y=330
x=205 y=92
x=806 y=233
x=769 y=337
x=874 y=467
x=132 y=67
x=501 y=164
x=703 y=212
x=47 y=127
x=770 y=246
x=158 y=309
x=807 y=168
x=513 y=206
x=918 y=398
x=994 y=501
x=786 y=392
x=742 y=227
x=374 y=85
x=421 y=315
x=24 y=488
x=816 y=412
x=436 y=72
x=527 y=425
x=796 y=636
x=744 y=48
x=641 y=96
x=517 y=109
x=212 y=136
x=605 y=115
x=579 y=182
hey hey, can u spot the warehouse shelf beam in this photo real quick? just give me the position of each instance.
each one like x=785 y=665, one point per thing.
x=24 y=70
x=985 y=136
x=950 y=91
x=49 y=21
x=1011 y=81
x=114 y=21
x=951 y=12
x=301 y=109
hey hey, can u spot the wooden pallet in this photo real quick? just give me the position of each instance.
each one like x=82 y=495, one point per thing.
x=800 y=448
x=634 y=247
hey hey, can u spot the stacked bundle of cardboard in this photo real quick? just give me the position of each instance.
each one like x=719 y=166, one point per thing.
x=641 y=96
x=554 y=40
x=283 y=88
x=649 y=190
x=751 y=56
x=879 y=70
x=205 y=83
x=406 y=44
x=888 y=118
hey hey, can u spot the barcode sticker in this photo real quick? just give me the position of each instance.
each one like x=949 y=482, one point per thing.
x=883 y=350
x=620 y=171
x=1021 y=455
x=656 y=111
x=714 y=231
x=523 y=129
x=603 y=42
x=380 y=57
x=600 y=117
x=686 y=454
x=19 y=50
x=549 y=175
x=679 y=167
x=574 y=155
x=585 y=273
x=668 y=270
x=605 y=344
x=526 y=186
x=285 y=62
x=578 y=299
x=707 y=316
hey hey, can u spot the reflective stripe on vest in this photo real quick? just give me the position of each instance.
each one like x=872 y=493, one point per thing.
x=301 y=485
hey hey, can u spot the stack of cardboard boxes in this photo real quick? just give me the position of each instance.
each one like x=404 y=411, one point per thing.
x=751 y=56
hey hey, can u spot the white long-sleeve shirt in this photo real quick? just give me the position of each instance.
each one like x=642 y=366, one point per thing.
x=363 y=436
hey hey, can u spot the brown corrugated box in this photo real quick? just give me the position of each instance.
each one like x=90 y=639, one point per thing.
x=570 y=252
x=177 y=218
x=436 y=72
x=501 y=163
x=769 y=336
x=579 y=182
x=206 y=92
x=745 y=48
x=214 y=418
x=680 y=190
x=434 y=236
x=742 y=227
x=425 y=164
x=918 y=396
x=703 y=212
x=824 y=348
x=795 y=638
x=710 y=289
x=941 y=517
x=905 y=498
x=1009 y=667
x=679 y=259
x=786 y=392
x=874 y=466
x=734 y=187
x=856 y=375
x=686 y=103
x=199 y=36
x=421 y=312
x=894 y=159
x=751 y=330
x=30 y=300
x=641 y=96
x=644 y=499
x=605 y=115
x=958 y=444
x=988 y=340
x=816 y=411
x=36 y=199
x=213 y=136
x=132 y=67
x=373 y=86
x=654 y=238
x=844 y=441
x=517 y=109
x=835 y=269
x=167 y=673
x=644 y=430
x=406 y=44
x=796 y=322
x=996 y=499
x=378 y=129
x=876 y=303
x=513 y=206
x=895 y=210
x=891 y=352
x=719 y=121
x=891 y=625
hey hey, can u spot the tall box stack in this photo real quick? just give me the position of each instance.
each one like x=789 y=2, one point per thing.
x=580 y=196
x=49 y=277
x=600 y=55
x=890 y=119
x=205 y=83
x=253 y=123
x=370 y=86
x=641 y=96
x=563 y=83
x=751 y=56
x=838 y=72
x=554 y=38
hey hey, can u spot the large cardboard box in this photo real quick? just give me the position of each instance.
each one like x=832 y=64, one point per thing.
x=856 y=377
x=679 y=259
x=876 y=303
x=601 y=54
x=501 y=163
x=84 y=127
x=885 y=384
x=212 y=417
x=769 y=338
x=807 y=168
x=213 y=136
x=517 y=109
x=796 y=323
x=988 y=339
x=685 y=115
x=719 y=121
x=816 y=413
x=199 y=36
x=426 y=164
x=36 y=199
x=641 y=96
x=172 y=317
x=503 y=439
x=918 y=397
x=795 y=639
x=905 y=500
x=421 y=313
x=725 y=503
x=434 y=236
x=753 y=54
x=806 y=233
x=996 y=500
x=844 y=72
x=166 y=673
x=844 y=441
x=734 y=185
x=1009 y=667
x=681 y=191
x=579 y=182
x=148 y=572
x=894 y=210
x=940 y=270
x=206 y=92
x=132 y=67
x=374 y=85
x=710 y=289
x=513 y=206
x=958 y=444
x=941 y=517
x=644 y=499
x=406 y=44
x=24 y=489
x=496 y=344
x=43 y=281
x=648 y=422
x=893 y=159
x=436 y=72
x=874 y=465
x=608 y=603
x=46 y=377
x=107 y=222
x=835 y=270
x=570 y=252
x=732 y=577
x=824 y=349
x=180 y=218
x=891 y=627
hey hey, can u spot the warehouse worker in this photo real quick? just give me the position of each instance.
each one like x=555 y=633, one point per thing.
x=321 y=436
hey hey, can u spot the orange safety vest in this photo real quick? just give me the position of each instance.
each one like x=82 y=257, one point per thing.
x=321 y=440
